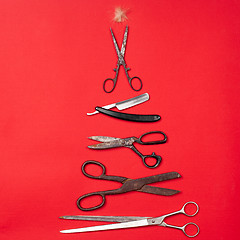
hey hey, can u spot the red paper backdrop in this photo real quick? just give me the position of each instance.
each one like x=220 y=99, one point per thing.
x=55 y=56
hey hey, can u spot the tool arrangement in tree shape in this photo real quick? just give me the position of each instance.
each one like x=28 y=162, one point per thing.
x=140 y=184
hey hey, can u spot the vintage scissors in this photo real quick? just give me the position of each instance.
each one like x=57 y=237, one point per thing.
x=112 y=142
x=128 y=185
x=120 y=62
x=131 y=222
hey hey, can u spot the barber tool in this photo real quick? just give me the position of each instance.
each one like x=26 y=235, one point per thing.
x=126 y=103
x=120 y=62
x=128 y=185
x=129 y=117
x=112 y=142
x=131 y=222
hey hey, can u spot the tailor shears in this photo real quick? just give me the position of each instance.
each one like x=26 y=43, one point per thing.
x=131 y=222
x=112 y=142
x=120 y=62
x=128 y=185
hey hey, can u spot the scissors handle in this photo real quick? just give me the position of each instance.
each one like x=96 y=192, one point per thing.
x=107 y=82
x=183 y=228
x=138 y=79
x=139 y=140
x=113 y=80
x=181 y=211
x=144 y=157
x=130 y=79
x=101 y=194
x=153 y=155
x=103 y=175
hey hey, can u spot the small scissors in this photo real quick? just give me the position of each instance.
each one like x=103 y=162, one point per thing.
x=112 y=142
x=128 y=185
x=131 y=222
x=120 y=62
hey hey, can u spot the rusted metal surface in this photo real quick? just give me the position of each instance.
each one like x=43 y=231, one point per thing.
x=113 y=142
x=128 y=185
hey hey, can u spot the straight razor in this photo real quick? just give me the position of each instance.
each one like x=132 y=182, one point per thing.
x=126 y=103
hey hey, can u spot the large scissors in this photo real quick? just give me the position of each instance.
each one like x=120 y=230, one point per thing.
x=120 y=62
x=131 y=222
x=128 y=185
x=112 y=142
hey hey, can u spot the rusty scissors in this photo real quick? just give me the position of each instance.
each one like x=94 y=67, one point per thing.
x=112 y=142
x=128 y=185
x=120 y=62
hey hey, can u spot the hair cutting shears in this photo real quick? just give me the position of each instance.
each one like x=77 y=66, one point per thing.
x=128 y=185
x=112 y=142
x=120 y=62
x=131 y=222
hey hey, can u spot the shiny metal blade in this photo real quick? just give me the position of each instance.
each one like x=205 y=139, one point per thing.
x=126 y=103
x=132 y=101
x=130 y=224
x=103 y=138
x=104 y=218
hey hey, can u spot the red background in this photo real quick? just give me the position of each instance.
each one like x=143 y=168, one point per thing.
x=55 y=56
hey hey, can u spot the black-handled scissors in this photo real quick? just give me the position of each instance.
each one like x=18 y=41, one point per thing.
x=120 y=62
x=128 y=185
x=112 y=142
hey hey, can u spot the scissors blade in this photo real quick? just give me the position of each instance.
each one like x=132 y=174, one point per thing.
x=124 y=42
x=131 y=224
x=115 y=44
x=104 y=218
x=106 y=145
x=158 y=190
x=103 y=138
x=158 y=178
x=141 y=182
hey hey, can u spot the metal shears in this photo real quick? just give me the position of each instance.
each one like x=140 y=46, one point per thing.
x=120 y=62
x=131 y=222
x=112 y=142
x=128 y=185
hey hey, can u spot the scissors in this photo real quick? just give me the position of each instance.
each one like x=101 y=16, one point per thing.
x=112 y=142
x=120 y=62
x=131 y=222
x=128 y=185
